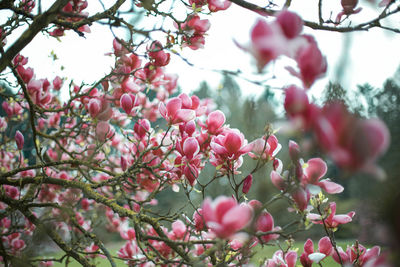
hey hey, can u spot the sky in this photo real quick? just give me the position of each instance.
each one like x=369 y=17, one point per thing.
x=372 y=56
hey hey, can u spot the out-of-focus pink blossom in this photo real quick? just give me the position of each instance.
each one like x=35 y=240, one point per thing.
x=19 y=139
x=358 y=254
x=224 y=216
x=312 y=64
x=217 y=5
x=265 y=150
x=157 y=54
x=57 y=83
x=265 y=223
x=279 y=259
x=141 y=128
x=291 y=23
x=349 y=7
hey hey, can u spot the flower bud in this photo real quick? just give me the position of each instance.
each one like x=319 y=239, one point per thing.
x=19 y=139
x=248 y=181
x=126 y=103
x=124 y=163
x=294 y=151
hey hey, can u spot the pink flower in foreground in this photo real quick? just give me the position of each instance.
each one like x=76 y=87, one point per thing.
x=224 y=216
x=279 y=259
x=309 y=256
x=359 y=255
x=333 y=220
x=265 y=223
x=174 y=113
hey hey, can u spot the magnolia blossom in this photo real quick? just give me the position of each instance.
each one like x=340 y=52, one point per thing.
x=265 y=150
x=174 y=113
x=265 y=223
x=349 y=7
x=315 y=169
x=19 y=139
x=224 y=216
x=229 y=145
x=279 y=259
x=358 y=254
x=309 y=256
x=333 y=220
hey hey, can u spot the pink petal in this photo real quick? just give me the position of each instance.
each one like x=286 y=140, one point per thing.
x=331 y=187
x=173 y=105
x=315 y=170
x=325 y=246
x=184 y=115
x=238 y=217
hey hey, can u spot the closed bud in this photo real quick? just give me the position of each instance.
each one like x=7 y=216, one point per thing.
x=248 y=181
x=126 y=103
x=19 y=139
x=124 y=163
x=294 y=151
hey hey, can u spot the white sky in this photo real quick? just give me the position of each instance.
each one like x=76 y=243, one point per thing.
x=374 y=55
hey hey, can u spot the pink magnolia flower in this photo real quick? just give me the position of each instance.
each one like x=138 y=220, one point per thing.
x=224 y=216
x=358 y=254
x=265 y=223
x=265 y=150
x=174 y=113
x=312 y=64
x=214 y=122
x=19 y=139
x=157 y=54
x=198 y=220
x=267 y=43
x=291 y=24
x=104 y=130
x=315 y=169
x=230 y=145
x=129 y=250
x=127 y=102
x=217 y=5
x=191 y=147
x=141 y=128
x=57 y=83
x=344 y=136
x=179 y=229
x=248 y=181
x=333 y=220
x=309 y=256
x=279 y=259
x=301 y=197
x=348 y=9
